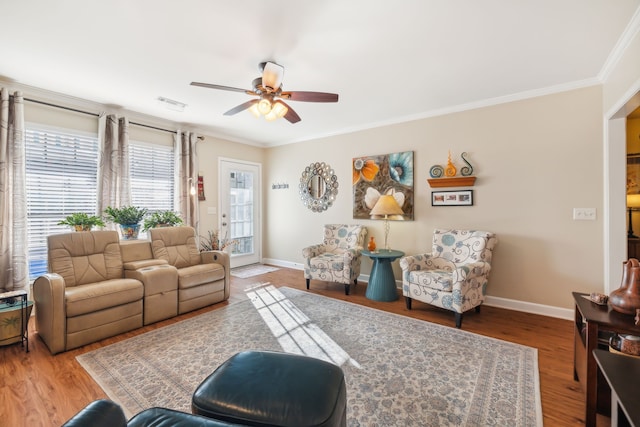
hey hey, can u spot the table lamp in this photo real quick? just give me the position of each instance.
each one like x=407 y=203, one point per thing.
x=385 y=206
x=633 y=204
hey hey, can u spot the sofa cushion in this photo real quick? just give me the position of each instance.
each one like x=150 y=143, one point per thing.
x=82 y=258
x=177 y=245
x=199 y=274
x=98 y=296
x=162 y=417
x=265 y=388
x=328 y=260
x=439 y=280
x=99 y=413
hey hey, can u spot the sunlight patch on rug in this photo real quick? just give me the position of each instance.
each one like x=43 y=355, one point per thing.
x=252 y=270
x=296 y=333
x=399 y=371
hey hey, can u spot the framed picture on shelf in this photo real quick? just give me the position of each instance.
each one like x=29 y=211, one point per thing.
x=452 y=198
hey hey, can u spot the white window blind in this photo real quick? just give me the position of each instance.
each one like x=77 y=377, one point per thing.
x=61 y=169
x=152 y=176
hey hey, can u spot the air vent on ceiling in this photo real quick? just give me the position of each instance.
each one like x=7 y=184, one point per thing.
x=171 y=104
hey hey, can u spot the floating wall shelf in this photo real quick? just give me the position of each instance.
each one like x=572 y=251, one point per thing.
x=461 y=181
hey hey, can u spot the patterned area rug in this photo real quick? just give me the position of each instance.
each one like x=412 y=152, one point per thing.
x=399 y=371
x=252 y=270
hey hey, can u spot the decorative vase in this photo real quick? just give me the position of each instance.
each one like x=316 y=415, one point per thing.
x=129 y=231
x=372 y=244
x=82 y=227
x=626 y=299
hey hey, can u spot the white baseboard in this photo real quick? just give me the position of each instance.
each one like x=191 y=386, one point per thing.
x=509 y=304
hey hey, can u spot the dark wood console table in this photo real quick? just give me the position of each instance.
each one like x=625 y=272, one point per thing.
x=622 y=374
x=594 y=324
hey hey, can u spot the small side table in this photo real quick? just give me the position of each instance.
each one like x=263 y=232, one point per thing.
x=24 y=328
x=622 y=373
x=382 y=283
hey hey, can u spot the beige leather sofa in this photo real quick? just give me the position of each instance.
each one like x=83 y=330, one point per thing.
x=98 y=287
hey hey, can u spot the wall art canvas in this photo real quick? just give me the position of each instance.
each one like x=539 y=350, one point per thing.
x=374 y=176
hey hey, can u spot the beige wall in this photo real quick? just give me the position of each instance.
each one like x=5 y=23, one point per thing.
x=535 y=160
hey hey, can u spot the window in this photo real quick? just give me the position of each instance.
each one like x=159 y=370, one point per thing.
x=152 y=176
x=61 y=178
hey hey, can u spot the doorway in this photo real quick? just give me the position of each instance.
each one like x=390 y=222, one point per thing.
x=615 y=215
x=239 y=218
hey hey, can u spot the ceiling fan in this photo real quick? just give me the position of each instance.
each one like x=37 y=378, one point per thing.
x=268 y=89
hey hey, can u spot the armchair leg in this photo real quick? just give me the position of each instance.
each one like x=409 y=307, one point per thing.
x=407 y=302
x=346 y=288
x=308 y=280
x=458 y=320
x=477 y=309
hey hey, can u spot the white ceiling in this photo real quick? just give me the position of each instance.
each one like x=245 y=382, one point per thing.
x=389 y=61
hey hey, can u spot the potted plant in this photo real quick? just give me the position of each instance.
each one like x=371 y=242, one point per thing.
x=128 y=217
x=82 y=221
x=161 y=219
x=213 y=242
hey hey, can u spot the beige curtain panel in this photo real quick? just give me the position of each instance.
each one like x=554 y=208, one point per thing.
x=187 y=176
x=13 y=205
x=114 y=178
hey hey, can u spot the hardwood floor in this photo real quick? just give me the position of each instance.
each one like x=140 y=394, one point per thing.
x=38 y=389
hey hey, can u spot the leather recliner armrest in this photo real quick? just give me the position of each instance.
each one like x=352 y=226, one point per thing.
x=51 y=322
x=222 y=258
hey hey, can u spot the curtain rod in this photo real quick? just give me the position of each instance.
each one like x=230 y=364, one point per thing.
x=61 y=107
x=98 y=115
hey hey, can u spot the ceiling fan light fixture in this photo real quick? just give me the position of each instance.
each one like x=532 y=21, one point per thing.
x=264 y=106
x=279 y=109
x=272 y=76
x=271 y=116
x=254 y=110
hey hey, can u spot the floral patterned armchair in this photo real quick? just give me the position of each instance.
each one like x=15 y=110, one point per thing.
x=454 y=275
x=337 y=259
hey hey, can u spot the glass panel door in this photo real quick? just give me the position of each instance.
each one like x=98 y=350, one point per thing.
x=239 y=210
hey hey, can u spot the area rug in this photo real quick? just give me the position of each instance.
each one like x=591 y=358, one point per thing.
x=399 y=371
x=252 y=270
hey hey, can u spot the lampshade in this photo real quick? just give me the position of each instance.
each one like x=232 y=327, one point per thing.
x=264 y=106
x=386 y=205
x=272 y=76
x=633 y=200
x=254 y=110
x=278 y=111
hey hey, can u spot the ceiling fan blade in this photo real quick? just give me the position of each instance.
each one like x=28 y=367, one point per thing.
x=241 y=107
x=272 y=75
x=310 y=96
x=229 y=88
x=291 y=115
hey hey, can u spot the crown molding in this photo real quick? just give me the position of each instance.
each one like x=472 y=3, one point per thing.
x=565 y=87
x=620 y=47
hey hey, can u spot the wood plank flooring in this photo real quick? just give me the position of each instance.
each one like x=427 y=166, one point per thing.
x=38 y=389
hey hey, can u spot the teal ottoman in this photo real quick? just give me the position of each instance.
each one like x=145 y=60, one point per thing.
x=263 y=388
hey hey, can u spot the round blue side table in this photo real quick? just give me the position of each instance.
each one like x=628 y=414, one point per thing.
x=382 y=283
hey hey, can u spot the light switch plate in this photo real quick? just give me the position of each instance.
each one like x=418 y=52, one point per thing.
x=584 y=214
